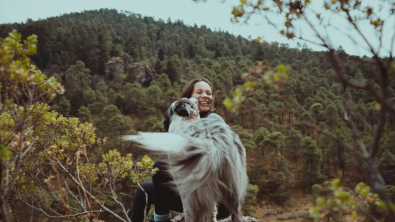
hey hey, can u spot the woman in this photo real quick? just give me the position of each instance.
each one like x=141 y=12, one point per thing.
x=159 y=193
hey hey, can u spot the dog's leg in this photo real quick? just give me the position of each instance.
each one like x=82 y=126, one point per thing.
x=236 y=215
x=215 y=212
x=186 y=218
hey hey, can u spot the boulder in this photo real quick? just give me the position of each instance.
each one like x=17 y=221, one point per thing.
x=134 y=70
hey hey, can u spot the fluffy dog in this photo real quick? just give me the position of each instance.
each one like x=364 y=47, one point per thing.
x=207 y=161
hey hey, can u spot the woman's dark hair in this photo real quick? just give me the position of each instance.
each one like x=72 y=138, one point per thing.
x=188 y=88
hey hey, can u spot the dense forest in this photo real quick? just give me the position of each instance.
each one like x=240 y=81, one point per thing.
x=121 y=71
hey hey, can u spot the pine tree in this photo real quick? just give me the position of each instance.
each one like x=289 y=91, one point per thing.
x=111 y=96
x=84 y=114
x=292 y=142
x=259 y=138
x=312 y=159
x=386 y=165
x=172 y=71
x=64 y=106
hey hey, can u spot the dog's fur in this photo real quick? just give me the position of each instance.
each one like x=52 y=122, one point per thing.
x=207 y=161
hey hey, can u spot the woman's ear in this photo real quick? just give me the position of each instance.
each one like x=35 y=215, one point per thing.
x=216 y=94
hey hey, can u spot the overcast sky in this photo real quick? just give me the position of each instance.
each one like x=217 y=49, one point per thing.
x=215 y=14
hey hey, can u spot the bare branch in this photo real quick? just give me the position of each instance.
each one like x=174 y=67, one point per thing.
x=87 y=192
x=3 y=203
x=61 y=216
x=392 y=44
x=146 y=201
x=72 y=194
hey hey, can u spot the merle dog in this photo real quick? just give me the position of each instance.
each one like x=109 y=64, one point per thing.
x=207 y=161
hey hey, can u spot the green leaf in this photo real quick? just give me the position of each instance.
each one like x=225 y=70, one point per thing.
x=4 y=152
x=320 y=202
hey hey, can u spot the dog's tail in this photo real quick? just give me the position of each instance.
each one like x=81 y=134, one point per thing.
x=205 y=170
x=161 y=142
x=192 y=160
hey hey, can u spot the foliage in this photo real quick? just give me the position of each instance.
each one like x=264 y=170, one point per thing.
x=46 y=158
x=340 y=201
x=248 y=208
x=347 y=89
x=312 y=159
x=335 y=99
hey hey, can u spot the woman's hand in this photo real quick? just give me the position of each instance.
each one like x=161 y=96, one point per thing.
x=194 y=117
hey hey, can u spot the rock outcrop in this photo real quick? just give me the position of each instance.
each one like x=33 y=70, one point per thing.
x=134 y=70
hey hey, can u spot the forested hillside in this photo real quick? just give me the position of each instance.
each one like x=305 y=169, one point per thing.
x=100 y=56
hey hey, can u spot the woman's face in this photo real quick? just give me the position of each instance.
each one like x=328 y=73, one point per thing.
x=202 y=92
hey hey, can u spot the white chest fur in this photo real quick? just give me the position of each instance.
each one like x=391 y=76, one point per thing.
x=177 y=122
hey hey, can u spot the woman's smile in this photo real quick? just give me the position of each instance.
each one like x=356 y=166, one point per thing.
x=202 y=92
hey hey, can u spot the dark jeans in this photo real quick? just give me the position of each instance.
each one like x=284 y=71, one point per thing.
x=161 y=195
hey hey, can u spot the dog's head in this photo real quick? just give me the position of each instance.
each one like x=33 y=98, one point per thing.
x=183 y=107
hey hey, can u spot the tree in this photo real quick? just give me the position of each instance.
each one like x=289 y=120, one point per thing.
x=245 y=137
x=312 y=159
x=331 y=115
x=101 y=86
x=111 y=96
x=161 y=54
x=273 y=140
x=257 y=173
x=99 y=103
x=259 y=54
x=17 y=139
x=259 y=138
x=103 y=122
x=153 y=96
x=172 y=71
x=293 y=141
x=44 y=157
x=164 y=82
x=376 y=83
x=248 y=208
x=120 y=123
x=133 y=97
x=84 y=114
x=78 y=80
x=386 y=164
x=64 y=106
x=89 y=96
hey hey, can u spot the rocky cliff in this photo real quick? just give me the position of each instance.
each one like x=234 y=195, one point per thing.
x=134 y=70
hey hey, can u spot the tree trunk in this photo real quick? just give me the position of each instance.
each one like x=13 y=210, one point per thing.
x=341 y=160
x=13 y=212
x=120 y=142
x=252 y=122
x=3 y=203
x=329 y=167
x=378 y=184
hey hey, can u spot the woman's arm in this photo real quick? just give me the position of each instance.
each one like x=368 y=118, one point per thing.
x=216 y=117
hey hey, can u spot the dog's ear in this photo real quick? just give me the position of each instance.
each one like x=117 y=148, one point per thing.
x=166 y=119
x=179 y=107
